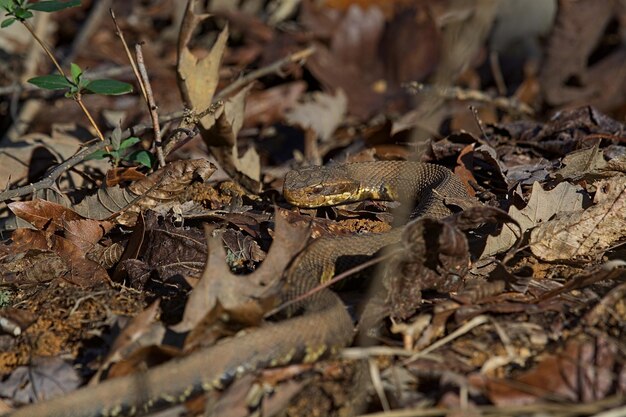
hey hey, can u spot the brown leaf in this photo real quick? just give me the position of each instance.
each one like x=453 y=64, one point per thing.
x=132 y=337
x=165 y=186
x=566 y=76
x=542 y=206
x=221 y=139
x=42 y=379
x=32 y=267
x=198 y=78
x=321 y=112
x=218 y=284
x=352 y=62
x=116 y=176
x=584 y=371
x=70 y=265
x=82 y=271
x=172 y=253
x=85 y=233
x=44 y=214
x=585 y=234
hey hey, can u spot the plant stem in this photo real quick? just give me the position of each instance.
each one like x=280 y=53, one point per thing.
x=78 y=99
x=45 y=48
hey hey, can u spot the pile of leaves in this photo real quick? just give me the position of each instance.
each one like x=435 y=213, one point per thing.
x=127 y=219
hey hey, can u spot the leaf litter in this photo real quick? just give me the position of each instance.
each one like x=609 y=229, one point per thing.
x=514 y=306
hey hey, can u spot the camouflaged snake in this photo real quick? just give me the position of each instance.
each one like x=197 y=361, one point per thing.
x=324 y=325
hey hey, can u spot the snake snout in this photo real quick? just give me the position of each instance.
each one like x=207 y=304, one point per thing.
x=313 y=187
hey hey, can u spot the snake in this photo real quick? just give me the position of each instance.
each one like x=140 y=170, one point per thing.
x=322 y=325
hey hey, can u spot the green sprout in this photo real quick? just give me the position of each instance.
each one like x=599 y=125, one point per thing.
x=120 y=151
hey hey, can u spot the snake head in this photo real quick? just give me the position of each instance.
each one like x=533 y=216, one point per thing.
x=319 y=187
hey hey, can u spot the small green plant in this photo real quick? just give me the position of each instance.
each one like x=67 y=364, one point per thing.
x=21 y=10
x=79 y=85
x=75 y=84
x=120 y=151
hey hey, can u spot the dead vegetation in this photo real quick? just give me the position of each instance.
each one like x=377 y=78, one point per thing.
x=514 y=306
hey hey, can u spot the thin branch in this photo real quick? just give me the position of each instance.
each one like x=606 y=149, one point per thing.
x=49 y=180
x=120 y=34
x=80 y=103
x=275 y=67
x=45 y=48
x=152 y=107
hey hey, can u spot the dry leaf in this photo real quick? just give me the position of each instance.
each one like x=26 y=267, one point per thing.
x=42 y=379
x=585 y=234
x=198 y=78
x=44 y=214
x=131 y=337
x=162 y=187
x=542 y=206
x=218 y=284
x=321 y=112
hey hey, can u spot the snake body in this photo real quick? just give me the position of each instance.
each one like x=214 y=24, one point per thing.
x=324 y=325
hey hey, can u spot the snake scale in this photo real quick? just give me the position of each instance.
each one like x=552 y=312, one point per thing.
x=324 y=325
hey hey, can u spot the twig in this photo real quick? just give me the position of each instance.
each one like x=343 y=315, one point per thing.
x=79 y=100
x=511 y=105
x=475 y=322
x=44 y=47
x=496 y=71
x=565 y=409
x=56 y=172
x=274 y=67
x=77 y=97
x=49 y=180
x=152 y=107
x=133 y=65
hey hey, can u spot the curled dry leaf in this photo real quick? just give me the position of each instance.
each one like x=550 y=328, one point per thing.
x=221 y=139
x=43 y=378
x=542 y=206
x=585 y=234
x=163 y=187
x=44 y=214
x=130 y=338
x=198 y=80
x=219 y=284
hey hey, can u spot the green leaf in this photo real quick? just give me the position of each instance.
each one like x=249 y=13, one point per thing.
x=53 y=5
x=76 y=72
x=7 y=22
x=51 y=82
x=6 y=4
x=108 y=87
x=128 y=142
x=100 y=154
x=145 y=158
x=22 y=14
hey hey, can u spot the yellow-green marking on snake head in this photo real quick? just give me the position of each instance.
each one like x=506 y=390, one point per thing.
x=314 y=187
